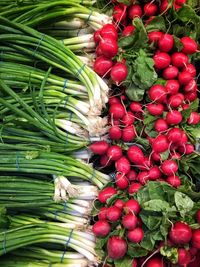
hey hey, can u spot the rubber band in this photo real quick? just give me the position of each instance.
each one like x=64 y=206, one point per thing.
x=88 y=19
x=65 y=206
x=66 y=245
x=66 y=101
x=112 y=175
x=4 y=243
x=17 y=161
x=80 y=70
x=39 y=43
x=70 y=116
x=65 y=84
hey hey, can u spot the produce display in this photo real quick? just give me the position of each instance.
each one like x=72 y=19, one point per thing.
x=99 y=133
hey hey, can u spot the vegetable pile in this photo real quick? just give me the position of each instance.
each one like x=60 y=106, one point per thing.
x=99 y=132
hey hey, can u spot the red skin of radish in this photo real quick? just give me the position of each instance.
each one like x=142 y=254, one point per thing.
x=105 y=161
x=175 y=155
x=132 y=175
x=191 y=69
x=102 y=213
x=160 y=144
x=101 y=228
x=187 y=149
x=143 y=177
x=154 y=36
x=172 y=87
x=179 y=59
x=174 y=117
x=131 y=206
x=134 y=263
x=99 y=147
x=180 y=233
x=130 y=221
x=194 y=118
x=198 y=216
x=193 y=251
x=154 y=173
x=106 y=193
x=166 y=42
x=174 y=135
x=97 y=36
x=134 y=11
x=161 y=60
x=128 y=30
x=102 y=65
x=156 y=156
x=134 y=187
x=114 y=100
x=170 y=72
x=98 y=51
x=155 y=262
x=135 y=235
x=136 y=107
x=180 y=2
x=150 y=9
x=115 y=132
x=146 y=164
x=135 y=155
x=189 y=45
x=116 y=247
x=128 y=133
x=158 y=93
x=174 y=181
x=184 y=257
x=113 y=214
x=161 y=125
x=119 y=72
x=175 y=100
x=117 y=111
x=196 y=238
x=121 y=181
x=123 y=165
x=184 y=77
x=119 y=204
x=191 y=96
x=109 y=30
x=190 y=87
x=185 y=106
x=169 y=167
x=128 y=118
x=155 y=109
x=119 y=14
x=114 y=152
x=109 y=47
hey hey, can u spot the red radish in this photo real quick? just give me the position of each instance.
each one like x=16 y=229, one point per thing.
x=114 y=152
x=174 y=135
x=102 y=213
x=158 y=93
x=189 y=45
x=160 y=144
x=134 y=11
x=114 y=122
x=198 y=216
x=161 y=125
x=191 y=69
x=119 y=13
x=99 y=147
x=119 y=204
x=115 y=132
x=135 y=235
x=97 y=36
x=170 y=72
x=130 y=221
x=193 y=251
x=155 y=109
x=134 y=263
x=106 y=193
x=99 y=51
x=134 y=187
x=128 y=133
x=121 y=181
x=108 y=47
x=132 y=206
x=174 y=181
x=117 y=111
x=143 y=177
x=116 y=247
x=109 y=30
x=135 y=155
x=155 y=262
x=191 y=96
x=136 y=107
x=128 y=30
x=180 y=233
x=119 y=72
x=154 y=173
x=156 y=156
x=185 y=106
x=175 y=100
x=180 y=2
x=184 y=257
x=196 y=238
x=123 y=165
x=102 y=65
x=187 y=149
x=101 y=228
x=174 y=117
x=161 y=60
x=172 y=87
x=185 y=77
x=154 y=36
x=169 y=167
x=184 y=138
x=147 y=163
x=105 y=161
x=132 y=175
x=114 y=100
x=179 y=59
x=150 y=9
x=128 y=118
x=194 y=118
x=166 y=42
x=113 y=214
x=190 y=87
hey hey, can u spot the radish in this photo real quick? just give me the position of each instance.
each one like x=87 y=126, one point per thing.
x=180 y=2
x=179 y=59
x=130 y=221
x=116 y=247
x=143 y=177
x=155 y=261
x=135 y=155
x=105 y=161
x=106 y=193
x=175 y=100
x=155 y=36
x=109 y=30
x=166 y=42
x=154 y=173
x=190 y=87
x=172 y=87
x=108 y=47
x=134 y=11
x=187 y=149
x=132 y=175
x=128 y=118
x=119 y=13
x=102 y=213
x=97 y=36
x=155 y=109
x=184 y=77
x=134 y=263
x=175 y=155
x=128 y=30
x=121 y=181
x=156 y=156
x=119 y=72
x=150 y=9
x=174 y=117
x=198 y=216
x=158 y=93
x=174 y=181
x=128 y=133
x=196 y=238
x=185 y=106
x=184 y=257
x=99 y=147
x=132 y=206
x=136 y=107
x=115 y=132
x=160 y=144
x=191 y=69
x=170 y=72
x=98 y=51
x=161 y=60
x=119 y=204
x=135 y=235
x=102 y=65
x=194 y=118
x=117 y=111
x=191 y=96
x=123 y=165
x=193 y=251
x=101 y=228
x=174 y=135
x=169 y=167
x=189 y=45
x=113 y=214
x=114 y=152
x=165 y=5
x=180 y=233
x=161 y=125
x=114 y=100
x=134 y=187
